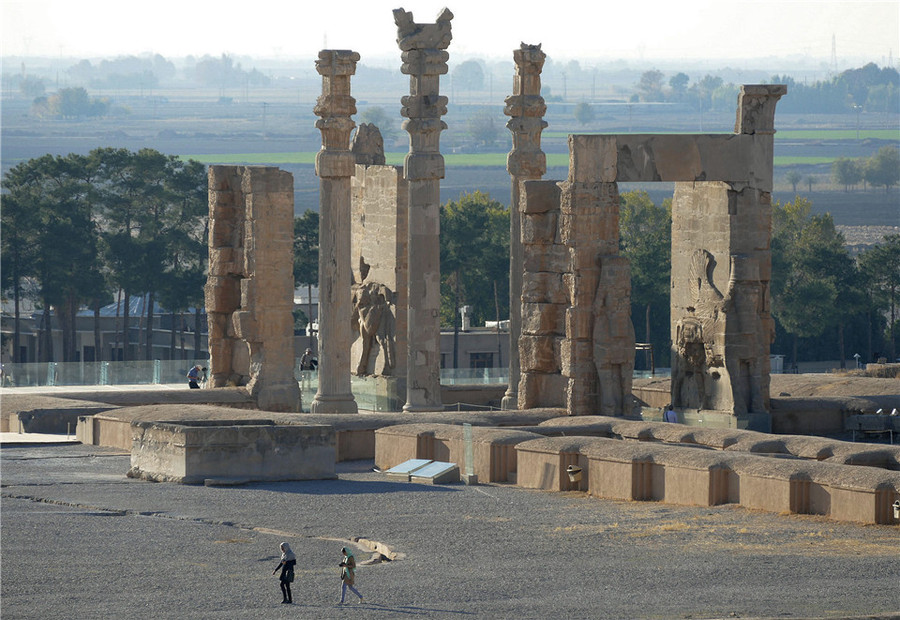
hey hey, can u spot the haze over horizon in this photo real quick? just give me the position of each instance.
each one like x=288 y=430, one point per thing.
x=838 y=33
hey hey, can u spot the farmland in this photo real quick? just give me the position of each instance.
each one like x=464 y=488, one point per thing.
x=273 y=128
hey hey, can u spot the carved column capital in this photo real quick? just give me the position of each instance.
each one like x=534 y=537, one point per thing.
x=756 y=108
x=335 y=106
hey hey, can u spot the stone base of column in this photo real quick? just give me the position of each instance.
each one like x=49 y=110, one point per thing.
x=337 y=403
x=284 y=397
x=414 y=405
x=510 y=401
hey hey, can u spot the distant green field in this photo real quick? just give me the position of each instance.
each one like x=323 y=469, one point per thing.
x=480 y=160
x=784 y=134
x=488 y=160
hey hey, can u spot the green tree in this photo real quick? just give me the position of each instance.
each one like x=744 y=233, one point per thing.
x=884 y=168
x=184 y=231
x=645 y=238
x=881 y=266
x=650 y=86
x=793 y=177
x=811 y=273
x=474 y=259
x=484 y=127
x=468 y=75
x=59 y=229
x=704 y=89
x=18 y=218
x=679 y=85
x=846 y=172
x=306 y=255
x=584 y=113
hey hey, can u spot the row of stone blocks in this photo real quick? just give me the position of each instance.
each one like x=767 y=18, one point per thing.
x=626 y=469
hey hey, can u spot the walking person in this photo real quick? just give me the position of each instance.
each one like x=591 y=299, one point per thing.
x=348 y=574
x=288 y=561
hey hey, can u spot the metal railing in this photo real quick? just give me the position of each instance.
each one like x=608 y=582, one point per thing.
x=150 y=372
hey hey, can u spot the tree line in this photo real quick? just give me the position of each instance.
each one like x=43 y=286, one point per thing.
x=79 y=229
x=880 y=170
x=869 y=88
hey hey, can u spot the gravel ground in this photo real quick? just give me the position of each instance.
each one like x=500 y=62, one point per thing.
x=80 y=540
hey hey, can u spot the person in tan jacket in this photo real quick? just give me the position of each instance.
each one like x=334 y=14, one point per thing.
x=348 y=574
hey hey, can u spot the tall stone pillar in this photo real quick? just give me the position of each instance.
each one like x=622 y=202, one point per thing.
x=424 y=60
x=335 y=165
x=525 y=162
x=250 y=287
x=721 y=268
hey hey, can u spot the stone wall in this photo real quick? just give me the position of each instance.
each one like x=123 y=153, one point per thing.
x=544 y=297
x=230 y=451
x=249 y=289
x=378 y=220
x=721 y=267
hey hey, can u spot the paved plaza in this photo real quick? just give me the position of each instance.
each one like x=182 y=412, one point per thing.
x=80 y=540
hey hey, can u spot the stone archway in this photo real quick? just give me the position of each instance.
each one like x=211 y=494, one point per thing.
x=721 y=264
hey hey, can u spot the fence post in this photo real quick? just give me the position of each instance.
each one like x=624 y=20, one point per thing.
x=156 y=371
x=104 y=373
x=51 y=373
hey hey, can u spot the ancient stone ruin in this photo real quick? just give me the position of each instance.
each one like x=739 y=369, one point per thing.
x=577 y=344
x=526 y=161
x=249 y=289
x=335 y=165
x=570 y=290
x=424 y=56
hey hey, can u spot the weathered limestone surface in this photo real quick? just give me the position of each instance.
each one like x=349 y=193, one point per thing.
x=544 y=299
x=191 y=452
x=249 y=289
x=424 y=58
x=576 y=291
x=335 y=165
x=741 y=467
x=721 y=267
x=526 y=161
x=379 y=240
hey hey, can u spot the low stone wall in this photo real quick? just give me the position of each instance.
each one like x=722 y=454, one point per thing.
x=732 y=440
x=44 y=414
x=493 y=449
x=104 y=430
x=654 y=397
x=231 y=451
x=626 y=470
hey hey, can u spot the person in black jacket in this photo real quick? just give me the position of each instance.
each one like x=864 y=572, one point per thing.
x=288 y=561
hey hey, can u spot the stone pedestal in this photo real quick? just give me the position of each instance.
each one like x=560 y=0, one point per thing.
x=249 y=290
x=526 y=161
x=424 y=60
x=335 y=164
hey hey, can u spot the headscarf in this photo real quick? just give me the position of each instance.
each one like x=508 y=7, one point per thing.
x=286 y=554
x=347 y=552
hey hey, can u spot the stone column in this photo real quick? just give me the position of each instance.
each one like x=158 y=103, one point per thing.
x=250 y=286
x=424 y=60
x=335 y=165
x=526 y=161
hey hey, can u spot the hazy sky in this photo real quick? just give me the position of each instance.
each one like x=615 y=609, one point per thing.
x=580 y=29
